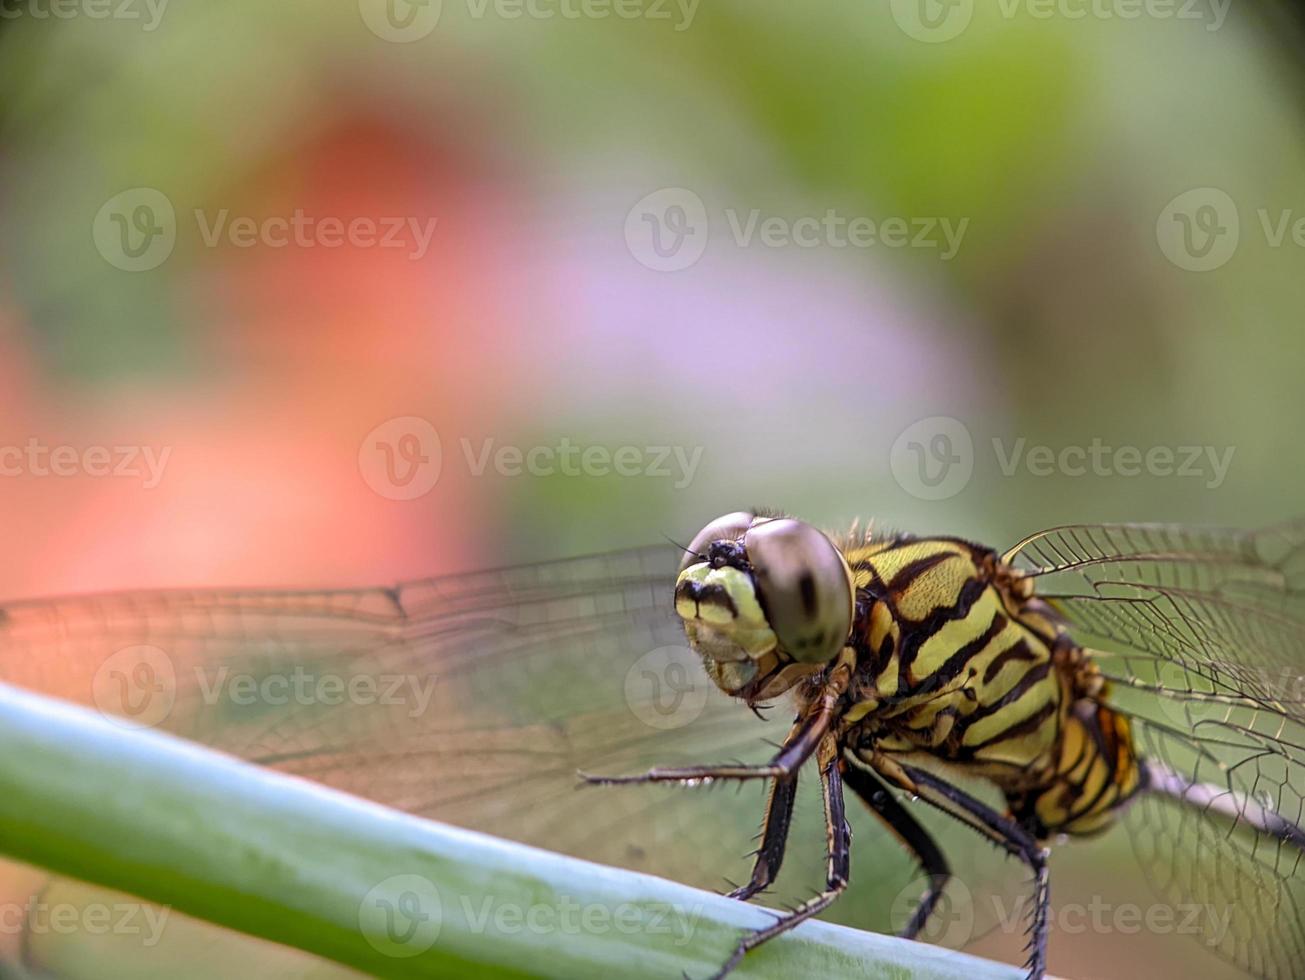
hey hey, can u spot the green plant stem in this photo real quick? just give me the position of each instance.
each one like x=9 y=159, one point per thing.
x=387 y=893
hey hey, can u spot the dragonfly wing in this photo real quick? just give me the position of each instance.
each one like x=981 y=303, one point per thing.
x=1202 y=634
x=1227 y=607
x=473 y=699
x=1241 y=892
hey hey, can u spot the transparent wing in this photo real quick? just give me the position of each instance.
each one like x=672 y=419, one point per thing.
x=469 y=698
x=1226 y=606
x=1237 y=889
x=1203 y=636
x=474 y=699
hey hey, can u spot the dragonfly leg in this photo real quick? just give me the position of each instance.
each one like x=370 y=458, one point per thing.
x=838 y=849
x=774 y=836
x=797 y=748
x=795 y=751
x=907 y=829
x=1001 y=830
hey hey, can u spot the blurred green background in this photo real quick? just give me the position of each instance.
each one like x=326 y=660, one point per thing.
x=632 y=232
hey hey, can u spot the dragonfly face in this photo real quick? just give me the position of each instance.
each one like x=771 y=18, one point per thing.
x=766 y=601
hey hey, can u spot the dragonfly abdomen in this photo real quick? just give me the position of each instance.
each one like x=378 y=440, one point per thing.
x=1096 y=773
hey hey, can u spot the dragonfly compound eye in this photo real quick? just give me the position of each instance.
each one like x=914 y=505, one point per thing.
x=731 y=527
x=804 y=586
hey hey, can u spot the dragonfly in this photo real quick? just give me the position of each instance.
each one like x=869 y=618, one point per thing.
x=1088 y=676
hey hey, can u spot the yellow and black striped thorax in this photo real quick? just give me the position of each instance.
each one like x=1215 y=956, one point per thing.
x=957 y=659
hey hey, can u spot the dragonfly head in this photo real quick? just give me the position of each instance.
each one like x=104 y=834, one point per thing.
x=765 y=601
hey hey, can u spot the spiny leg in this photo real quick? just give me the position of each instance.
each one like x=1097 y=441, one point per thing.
x=774 y=835
x=907 y=829
x=999 y=829
x=797 y=748
x=795 y=751
x=838 y=849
